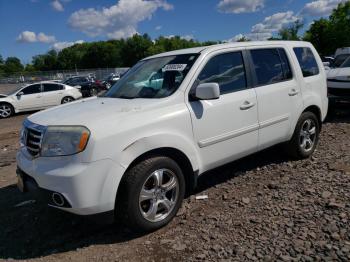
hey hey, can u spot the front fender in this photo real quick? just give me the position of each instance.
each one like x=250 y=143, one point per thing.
x=146 y=144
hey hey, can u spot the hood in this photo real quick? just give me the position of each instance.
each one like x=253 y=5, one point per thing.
x=90 y=112
x=339 y=73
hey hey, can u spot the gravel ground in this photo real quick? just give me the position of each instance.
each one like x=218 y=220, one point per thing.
x=264 y=207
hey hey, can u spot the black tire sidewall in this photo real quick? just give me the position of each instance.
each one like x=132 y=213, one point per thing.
x=134 y=215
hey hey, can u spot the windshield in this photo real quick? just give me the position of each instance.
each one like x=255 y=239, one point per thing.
x=346 y=63
x=153 y=78
x=10 y=93
x=339 y=60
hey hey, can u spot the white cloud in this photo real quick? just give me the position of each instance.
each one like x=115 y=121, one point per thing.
x=61 y=45
x=240 y=6
x=32 y=37
x=235 y=38
x=185 y=37
x=272 y=24
x=27 y=37
x=269 y=26
x=321 y=7
x=57 y=5
x=41 y=37
x=117 y=21
x=158 y=27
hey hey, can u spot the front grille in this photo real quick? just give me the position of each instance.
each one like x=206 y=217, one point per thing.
x=339 y=91
x=33 y=138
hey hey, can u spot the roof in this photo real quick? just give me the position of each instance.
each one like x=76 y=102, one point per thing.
x=211 y=48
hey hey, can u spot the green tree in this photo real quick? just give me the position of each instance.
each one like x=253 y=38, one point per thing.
x=291 y=31
x=329 y=34
x=13 y=65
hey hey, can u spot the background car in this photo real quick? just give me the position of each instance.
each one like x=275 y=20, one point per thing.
x=87 y=85
x=110 y=80
x=37 y=96
x=338 y=82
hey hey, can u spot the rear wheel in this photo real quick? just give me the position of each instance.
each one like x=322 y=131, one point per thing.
x=305 y=137
x=151 y=194
x=93 y=92
x=67 y=99
x=6 y=110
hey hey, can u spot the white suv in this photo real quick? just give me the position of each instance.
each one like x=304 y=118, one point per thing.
x=137 y=149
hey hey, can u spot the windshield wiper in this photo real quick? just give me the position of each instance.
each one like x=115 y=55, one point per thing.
x=125 y=97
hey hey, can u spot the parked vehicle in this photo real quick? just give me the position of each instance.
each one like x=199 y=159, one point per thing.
x=338 y=82
x=110 y=80
x=87 y=85
x=135 y=151
x=37 y=96
x=341 y=54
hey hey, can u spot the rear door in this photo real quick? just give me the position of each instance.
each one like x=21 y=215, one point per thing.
x=278 y=94
x=52 y=94
x=31 y=98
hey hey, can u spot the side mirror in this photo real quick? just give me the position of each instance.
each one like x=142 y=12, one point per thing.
x=207 y=91
x=19 y=94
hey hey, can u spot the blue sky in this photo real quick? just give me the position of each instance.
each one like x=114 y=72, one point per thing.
x=31 y=27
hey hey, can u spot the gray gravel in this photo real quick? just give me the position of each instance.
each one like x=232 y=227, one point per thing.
x=263 y=208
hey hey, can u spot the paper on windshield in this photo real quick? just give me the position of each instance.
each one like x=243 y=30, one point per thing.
x=174 y=67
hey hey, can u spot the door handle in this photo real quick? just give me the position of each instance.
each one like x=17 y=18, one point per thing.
x=246 y=105
x=293 y=92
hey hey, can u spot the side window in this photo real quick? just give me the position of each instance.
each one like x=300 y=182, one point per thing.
x=227 y=70
x=52 y=87
x=268 y=66
x=32 y=89
x=287 y=72
x=307 y=61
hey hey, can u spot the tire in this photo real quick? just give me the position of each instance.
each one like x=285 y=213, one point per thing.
x=305 y=137
x=135 y=210
x=93 y=92
x=6 y=110
x=67 y=99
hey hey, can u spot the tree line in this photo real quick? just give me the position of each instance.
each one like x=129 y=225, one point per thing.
x=326 y=34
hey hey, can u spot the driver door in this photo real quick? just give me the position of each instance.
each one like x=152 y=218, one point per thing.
x=226 y=128
x=30 y=98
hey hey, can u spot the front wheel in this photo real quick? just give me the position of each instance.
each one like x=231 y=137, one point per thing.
x=6 y=110
x=305 y=137
x=151 y=194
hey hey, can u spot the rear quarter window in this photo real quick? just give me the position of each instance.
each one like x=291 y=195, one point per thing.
x=307 y=61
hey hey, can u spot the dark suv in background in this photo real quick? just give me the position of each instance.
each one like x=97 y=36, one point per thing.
x=87 y=85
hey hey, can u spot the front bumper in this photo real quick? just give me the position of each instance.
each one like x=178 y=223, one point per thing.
x=88 y=188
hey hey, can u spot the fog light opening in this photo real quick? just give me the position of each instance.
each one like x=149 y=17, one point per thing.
x=58 y=199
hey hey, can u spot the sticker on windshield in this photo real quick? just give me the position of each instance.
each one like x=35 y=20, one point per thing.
x=174 y=67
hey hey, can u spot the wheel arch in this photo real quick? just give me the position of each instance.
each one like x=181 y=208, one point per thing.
x=184 y=162
x=8 y=103
x=317 y=111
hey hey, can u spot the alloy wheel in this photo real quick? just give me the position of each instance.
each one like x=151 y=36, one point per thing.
x=307 y=136
x=5 y=111
x=159 y=195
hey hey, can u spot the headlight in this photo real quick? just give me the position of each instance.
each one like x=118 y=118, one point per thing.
x=64 y=140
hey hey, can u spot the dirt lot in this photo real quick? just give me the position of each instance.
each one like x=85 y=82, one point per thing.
x=264 y=207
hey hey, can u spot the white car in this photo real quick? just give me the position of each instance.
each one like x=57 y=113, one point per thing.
x=338 y=82
x=135 y=151
x=37 y=96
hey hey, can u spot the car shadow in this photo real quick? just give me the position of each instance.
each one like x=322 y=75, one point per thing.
x=339 y=116
x=34 y=230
